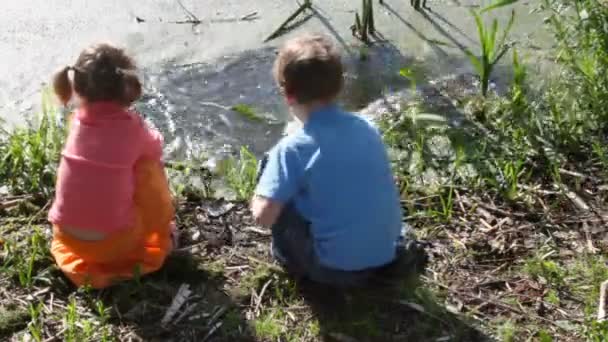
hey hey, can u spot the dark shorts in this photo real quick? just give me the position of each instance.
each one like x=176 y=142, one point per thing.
x=293 y=247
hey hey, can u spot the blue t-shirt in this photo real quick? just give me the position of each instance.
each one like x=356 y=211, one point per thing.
x=336 y=172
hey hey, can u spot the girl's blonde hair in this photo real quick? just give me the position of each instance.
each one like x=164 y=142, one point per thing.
x=101 y=73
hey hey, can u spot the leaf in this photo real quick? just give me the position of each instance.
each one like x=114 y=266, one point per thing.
x=492 y=39
x=480 y=30
x=500 y=55
x=247 y=112
x=475 y=62
x=505 y=33
x=516 y=64
x=407 y=73
x=544 y=336
x=429 y=117
x=498 y=4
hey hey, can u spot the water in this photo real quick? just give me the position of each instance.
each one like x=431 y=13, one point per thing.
x=194 y=74
x=191 y=103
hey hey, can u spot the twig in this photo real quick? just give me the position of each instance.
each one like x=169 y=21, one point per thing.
x=258 y=231
x=189 y=21
x=576 y=174
x=217 y=315
x=56 y=336
x=249 y=16
x=35 y=216
x=196 y=21
x=261 y=262
x=212 y=331
x=188 y=310
x=574 y=197
x=493 y=302
x=488 y=226
x=601 y=312
x=459 y=200
x=237 y=268
x=588 y=237
x=13 y=202
x=453 y=237
x=260 y=297
x=306 y=5
x=537 y=190
x=190 y=14
x=213 y=104
x=180 y=298
x=492 y=208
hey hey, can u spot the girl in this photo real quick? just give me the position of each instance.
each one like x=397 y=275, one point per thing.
x=112 y=215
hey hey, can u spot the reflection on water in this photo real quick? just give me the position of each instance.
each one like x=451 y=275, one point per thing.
x=190 y=103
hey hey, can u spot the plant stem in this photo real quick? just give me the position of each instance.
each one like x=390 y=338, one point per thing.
x=306 y=5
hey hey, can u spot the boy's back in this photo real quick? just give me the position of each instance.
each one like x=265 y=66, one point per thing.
x=336 y=171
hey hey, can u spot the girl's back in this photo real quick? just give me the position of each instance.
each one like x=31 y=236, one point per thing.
x=96 y=174
x=112 y=211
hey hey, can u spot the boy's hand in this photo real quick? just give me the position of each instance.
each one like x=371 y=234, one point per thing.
x=265 y=211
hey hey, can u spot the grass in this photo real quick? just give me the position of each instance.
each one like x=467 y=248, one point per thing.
x=29 y=154
x=513 y=201
x=364 y=23
x=507 y=331
x=492 y=50
x=269 y=326
x=13 y=319
x=522 y=148
x=23 y=259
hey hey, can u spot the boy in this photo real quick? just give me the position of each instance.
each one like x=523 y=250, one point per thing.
x=327 y=189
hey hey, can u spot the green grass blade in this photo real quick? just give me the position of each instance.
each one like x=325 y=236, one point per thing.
x=506 y=32
x=500 y=55
x=480 y=30
x=247 y=112
x=409 y=74
x=491 y=40
x=498 y=4
x=475 y=61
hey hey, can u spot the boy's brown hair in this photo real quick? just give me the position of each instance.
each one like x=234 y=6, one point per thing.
x=309 y=68
x=101 y=73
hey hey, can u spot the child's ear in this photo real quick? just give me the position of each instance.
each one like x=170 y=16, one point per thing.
x=291 y=100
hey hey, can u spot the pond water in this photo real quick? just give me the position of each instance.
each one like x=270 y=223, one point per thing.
x=193 y=74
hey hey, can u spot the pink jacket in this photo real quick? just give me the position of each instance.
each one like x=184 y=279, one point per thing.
x=95 y=180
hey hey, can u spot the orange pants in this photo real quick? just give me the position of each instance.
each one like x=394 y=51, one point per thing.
x=133 y=251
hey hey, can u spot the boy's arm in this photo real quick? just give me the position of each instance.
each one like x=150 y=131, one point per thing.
x=280 y=181
x=265 y=211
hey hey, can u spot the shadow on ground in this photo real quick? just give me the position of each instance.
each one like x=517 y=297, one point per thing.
x=397 y=310
x=207 y=314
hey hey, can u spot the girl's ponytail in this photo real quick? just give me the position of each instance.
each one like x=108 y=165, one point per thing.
x=62 y=85
x=102 y=72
